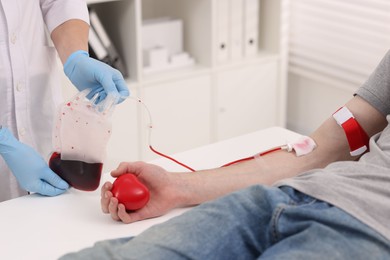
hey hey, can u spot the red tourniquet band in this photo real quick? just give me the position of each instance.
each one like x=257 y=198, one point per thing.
x=356 y=136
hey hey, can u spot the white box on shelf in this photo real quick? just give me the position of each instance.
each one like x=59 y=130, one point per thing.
x=163 y=32
x=176 y=61
x=155 y=57
x=181 y=59
x=163 y=45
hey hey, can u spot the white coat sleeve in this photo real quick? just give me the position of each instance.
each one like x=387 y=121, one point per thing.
x=56 y=12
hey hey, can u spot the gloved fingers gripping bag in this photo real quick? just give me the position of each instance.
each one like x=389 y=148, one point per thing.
x=80 y=136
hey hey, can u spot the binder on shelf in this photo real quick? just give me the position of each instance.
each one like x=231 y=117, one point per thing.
x=237 y=27
x=251 y=27
x=96 y=48
x=101 y=47
x=222 y=31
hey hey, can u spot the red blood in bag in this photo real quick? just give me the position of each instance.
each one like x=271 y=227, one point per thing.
x=130 y=191
x=78 y=174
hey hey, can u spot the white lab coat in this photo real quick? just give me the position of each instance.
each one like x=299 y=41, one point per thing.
x=30 y=85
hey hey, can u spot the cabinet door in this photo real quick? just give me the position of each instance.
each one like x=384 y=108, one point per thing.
x=246 y=99
x=180 y=112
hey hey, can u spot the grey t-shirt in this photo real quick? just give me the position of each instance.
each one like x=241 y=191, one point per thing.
x=361 y=188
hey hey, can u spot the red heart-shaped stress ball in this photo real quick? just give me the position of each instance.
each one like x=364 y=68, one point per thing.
x=130 y=191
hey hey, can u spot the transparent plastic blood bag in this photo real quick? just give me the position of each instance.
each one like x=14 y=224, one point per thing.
x=80 y=136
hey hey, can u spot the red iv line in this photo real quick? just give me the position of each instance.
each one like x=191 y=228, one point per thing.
x=287 y=147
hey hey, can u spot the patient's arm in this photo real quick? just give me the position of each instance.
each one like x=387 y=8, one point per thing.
x=332 y=146
x=170 y=190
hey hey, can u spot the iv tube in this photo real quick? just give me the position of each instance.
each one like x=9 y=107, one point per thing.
x=278 y=148
x=150 y=136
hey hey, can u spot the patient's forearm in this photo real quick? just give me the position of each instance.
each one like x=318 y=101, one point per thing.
x=210 y=184
x=332 y=146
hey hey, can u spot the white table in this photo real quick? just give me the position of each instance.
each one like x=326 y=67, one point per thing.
x=36 y=227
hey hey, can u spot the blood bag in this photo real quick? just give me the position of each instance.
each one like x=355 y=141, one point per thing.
x=80 y=136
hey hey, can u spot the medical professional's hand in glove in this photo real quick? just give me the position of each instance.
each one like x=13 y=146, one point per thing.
x=29 y=168
x=162 y=188
x=87 y=73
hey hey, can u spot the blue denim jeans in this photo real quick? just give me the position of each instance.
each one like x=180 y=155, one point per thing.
x=255 y=223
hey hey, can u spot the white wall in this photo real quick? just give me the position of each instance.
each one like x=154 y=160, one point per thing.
x=311 y=101
x=334 y=46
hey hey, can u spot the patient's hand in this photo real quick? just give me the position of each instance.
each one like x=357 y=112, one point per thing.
x=163 y=194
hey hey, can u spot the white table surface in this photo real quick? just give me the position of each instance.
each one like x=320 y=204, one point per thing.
x=37 y=227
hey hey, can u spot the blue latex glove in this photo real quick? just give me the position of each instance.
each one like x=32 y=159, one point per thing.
x=29 y=168
x=87 y=73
